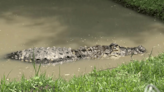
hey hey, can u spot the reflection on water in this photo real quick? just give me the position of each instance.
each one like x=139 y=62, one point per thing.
x=26 y=24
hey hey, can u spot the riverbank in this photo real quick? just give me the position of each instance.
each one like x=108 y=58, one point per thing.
x=132 y=77
x=153 y=8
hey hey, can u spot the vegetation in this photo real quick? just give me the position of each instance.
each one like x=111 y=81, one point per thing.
x=149 y=7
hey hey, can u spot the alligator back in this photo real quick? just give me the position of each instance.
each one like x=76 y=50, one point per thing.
x=54 y=55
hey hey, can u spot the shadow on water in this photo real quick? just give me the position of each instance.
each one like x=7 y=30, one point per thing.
x=79 y=18
x=73 y=23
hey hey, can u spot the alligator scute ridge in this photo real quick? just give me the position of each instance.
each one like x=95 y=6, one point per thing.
x=57 y=55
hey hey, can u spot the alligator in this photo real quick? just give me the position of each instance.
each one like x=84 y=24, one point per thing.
x=56 y=55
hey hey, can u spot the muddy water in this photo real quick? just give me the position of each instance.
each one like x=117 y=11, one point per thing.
x=62 y=23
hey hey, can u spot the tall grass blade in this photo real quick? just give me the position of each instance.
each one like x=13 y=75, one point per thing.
x=150 y=53
x=34 y=65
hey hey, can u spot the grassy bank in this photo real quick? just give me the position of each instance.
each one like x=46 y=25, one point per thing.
x=149 y=7
x=132 y=77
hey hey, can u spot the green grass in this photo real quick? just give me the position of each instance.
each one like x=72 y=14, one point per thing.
x=132 y=77
x=149 y=7
x=36 y=70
